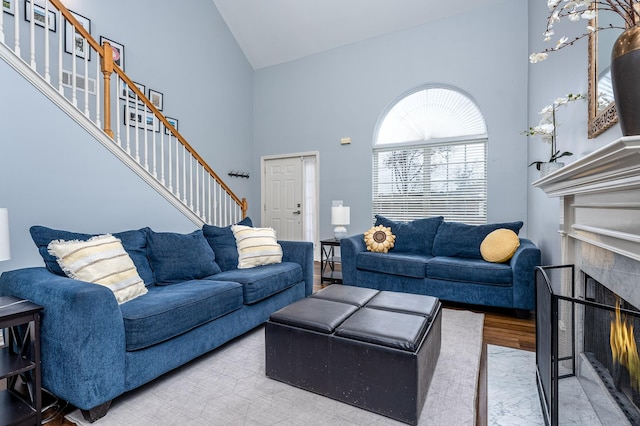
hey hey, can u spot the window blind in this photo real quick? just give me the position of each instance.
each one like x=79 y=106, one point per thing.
x=432 y=179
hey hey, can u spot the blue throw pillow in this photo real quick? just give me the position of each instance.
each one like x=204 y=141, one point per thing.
x=177 y=258
x=455 y=239
x=134 y=243
x=415 y=236
x=223 y=243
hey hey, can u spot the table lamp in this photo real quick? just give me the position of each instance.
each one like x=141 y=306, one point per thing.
x=4 y=235
x=340 y=216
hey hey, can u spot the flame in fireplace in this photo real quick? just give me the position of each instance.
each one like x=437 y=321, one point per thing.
x=623 y=346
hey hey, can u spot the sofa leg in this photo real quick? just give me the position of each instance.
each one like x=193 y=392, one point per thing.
x=96 y=413
x=522 y=313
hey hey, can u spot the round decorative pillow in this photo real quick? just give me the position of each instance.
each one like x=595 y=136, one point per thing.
x=499 y=246
x=379 y=239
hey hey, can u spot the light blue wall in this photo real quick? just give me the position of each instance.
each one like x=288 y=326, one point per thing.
x=565 y=71
x=310 y=103
x=52 y=173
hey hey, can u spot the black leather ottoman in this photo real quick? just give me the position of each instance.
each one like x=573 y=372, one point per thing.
x=376 y=350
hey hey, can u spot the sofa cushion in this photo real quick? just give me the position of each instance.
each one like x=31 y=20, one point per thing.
x=180 y=257
x=256 y=246
x=223 y=243
x=405 y=264
x=469 y=271
x=100 y=260
x=499 y=246
x=168 y=311
x=462 y=240
x=263 y=281
x=379 y=239
x=415 y=236
x=134 y=243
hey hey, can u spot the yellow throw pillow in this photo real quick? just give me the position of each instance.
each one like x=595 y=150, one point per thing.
x=499 y=246
x=379 y=239
x=100 y=260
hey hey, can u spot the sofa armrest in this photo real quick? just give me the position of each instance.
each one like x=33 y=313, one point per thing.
x=300 y=252
x=523 y=264
x=349 y=249
x=82 y=335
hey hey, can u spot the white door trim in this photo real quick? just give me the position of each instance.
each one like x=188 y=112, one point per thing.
x=316 y=219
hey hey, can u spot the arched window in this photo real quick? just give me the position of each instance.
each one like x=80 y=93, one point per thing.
x=430 y=158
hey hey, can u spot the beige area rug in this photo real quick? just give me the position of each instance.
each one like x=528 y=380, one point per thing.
x=229 y=387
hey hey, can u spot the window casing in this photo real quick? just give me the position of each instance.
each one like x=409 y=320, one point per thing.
x=444 y=173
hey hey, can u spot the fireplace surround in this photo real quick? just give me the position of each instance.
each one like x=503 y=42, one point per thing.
x=600 y=240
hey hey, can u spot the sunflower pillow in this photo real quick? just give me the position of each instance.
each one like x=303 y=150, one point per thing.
x=379 y=239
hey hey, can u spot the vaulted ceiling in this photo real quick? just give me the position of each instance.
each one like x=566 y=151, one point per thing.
x=276 y=31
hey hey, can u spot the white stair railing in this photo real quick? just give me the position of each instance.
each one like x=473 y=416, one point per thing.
x=77 y=68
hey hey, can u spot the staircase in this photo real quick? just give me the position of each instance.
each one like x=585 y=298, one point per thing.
x=94 y=91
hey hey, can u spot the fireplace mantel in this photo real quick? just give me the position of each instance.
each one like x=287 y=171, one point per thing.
x=600 y=196
x=613 y=167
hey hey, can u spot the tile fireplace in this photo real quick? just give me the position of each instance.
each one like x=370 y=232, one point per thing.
x=590 y=309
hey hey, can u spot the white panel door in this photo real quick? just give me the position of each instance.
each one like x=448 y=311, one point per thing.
x=283 y=197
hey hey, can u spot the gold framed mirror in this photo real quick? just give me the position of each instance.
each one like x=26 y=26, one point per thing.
x=602 y=109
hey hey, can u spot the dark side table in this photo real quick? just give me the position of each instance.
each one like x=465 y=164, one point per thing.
x=330 y=264
x=21 y=401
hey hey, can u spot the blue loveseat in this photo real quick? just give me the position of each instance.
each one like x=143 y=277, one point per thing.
x=94 y=350
x=443 y=259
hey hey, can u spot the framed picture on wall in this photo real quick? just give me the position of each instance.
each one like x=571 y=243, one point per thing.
x=138 y=118
x=38 y=15
x=118 y=51
x=173 y=122
x=156 y=99
x=8 y=6
x=127 y=93
x=73 y=41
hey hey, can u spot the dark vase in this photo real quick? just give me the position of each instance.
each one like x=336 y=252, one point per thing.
x=625 y=79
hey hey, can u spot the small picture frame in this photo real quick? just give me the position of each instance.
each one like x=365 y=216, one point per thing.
x=8 y=6
x=74 y=41
x=137 y=118
x=156 y=99
x=173 y=122
x=118 y=51
x=126 y=92
x=38 y=15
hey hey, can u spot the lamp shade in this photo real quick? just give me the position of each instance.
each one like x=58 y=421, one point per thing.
x=4 y=235
x=340 y=215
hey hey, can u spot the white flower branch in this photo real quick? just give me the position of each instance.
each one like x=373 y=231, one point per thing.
x=576 y=10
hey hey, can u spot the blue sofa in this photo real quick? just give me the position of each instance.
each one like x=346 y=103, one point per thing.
x=94 y=350
x=443 y=259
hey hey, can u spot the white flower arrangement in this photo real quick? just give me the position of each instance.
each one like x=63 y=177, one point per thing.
x=576 y=11
x=547 y=127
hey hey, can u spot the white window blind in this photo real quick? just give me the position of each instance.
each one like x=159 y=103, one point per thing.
x=443 y=175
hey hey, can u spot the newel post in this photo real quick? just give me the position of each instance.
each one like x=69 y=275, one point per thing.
x=244 y=207
x=107 y=70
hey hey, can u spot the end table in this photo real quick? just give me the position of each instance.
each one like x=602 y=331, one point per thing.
x=330 y=263
x=21 y=401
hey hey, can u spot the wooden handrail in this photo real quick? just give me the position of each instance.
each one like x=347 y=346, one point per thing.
x=108 y=67
x=175 y=133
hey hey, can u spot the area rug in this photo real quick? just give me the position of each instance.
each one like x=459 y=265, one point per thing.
x=229 y=387
x=512 y=395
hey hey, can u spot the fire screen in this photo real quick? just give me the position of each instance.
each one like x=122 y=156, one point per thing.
x=587 y=361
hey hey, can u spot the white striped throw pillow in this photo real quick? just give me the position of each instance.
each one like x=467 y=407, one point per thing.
x=100 y=260
x=256 y=246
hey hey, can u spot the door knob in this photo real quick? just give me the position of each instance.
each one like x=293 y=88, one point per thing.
x=297 y=212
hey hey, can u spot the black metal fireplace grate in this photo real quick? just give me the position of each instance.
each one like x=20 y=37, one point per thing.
x=557 y=312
